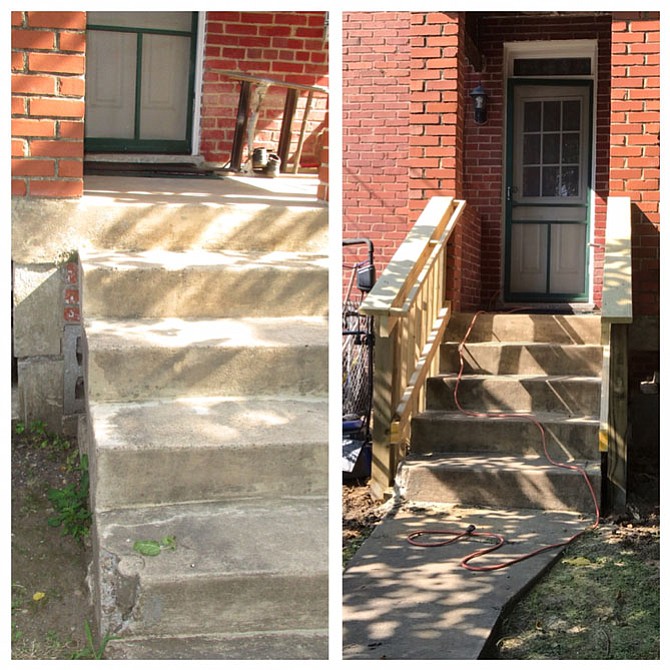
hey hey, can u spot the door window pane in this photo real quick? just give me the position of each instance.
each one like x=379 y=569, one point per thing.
x=551 y=148
x=550 y=181
x=532 y=116
x=570 y=181
x=531 y=149
x=552 y=115
x=531 y=182
x=572 y=114
x=570 y=148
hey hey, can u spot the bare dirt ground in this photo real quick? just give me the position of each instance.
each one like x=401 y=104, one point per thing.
x=50 y=604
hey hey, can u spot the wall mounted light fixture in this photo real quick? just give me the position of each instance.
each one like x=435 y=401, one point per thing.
x=479 y=96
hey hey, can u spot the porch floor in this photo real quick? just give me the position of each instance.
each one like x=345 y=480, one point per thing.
x=286 y=190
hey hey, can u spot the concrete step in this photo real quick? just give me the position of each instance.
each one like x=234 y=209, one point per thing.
x=502 y=358
x=210 y=448
x=253 y=645
x=548 y=328
x=203 y=284
x=139 y=359
x=240 y=225
x=498 y=480
x=237 y=566
x=567 y=437
x=571 y=395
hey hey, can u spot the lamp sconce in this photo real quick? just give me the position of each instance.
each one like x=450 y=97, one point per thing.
x=479 y=96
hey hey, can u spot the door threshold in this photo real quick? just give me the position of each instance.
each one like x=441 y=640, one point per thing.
x=549 y=308
x=143 y=158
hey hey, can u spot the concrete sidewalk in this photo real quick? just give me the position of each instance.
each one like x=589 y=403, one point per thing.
x=406 y=602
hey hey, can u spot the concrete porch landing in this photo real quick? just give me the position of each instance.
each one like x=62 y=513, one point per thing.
x=406 y=602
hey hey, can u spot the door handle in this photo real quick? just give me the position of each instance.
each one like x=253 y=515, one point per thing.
x=510 y=191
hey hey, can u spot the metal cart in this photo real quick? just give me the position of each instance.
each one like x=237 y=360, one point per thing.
x=357 y=353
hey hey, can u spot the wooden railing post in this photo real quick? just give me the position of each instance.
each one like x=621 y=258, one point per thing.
x=617 y=313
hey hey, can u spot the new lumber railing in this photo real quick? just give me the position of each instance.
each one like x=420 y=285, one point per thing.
x=617 y=313
x=411 y=313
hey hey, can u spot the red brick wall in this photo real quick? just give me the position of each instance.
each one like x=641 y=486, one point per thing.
x=287 y=46
x=439 y=104
x=634 y=159
x=48 y=60
x=376 y=131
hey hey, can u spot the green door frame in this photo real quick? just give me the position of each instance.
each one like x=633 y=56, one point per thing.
x=135 y=144
x=512 y=83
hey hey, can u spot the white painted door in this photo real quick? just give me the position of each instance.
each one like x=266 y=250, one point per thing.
x=139 y=80
x=548 y=192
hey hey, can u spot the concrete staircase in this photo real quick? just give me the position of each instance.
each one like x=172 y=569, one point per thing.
x=206 y=382
x=547 y=366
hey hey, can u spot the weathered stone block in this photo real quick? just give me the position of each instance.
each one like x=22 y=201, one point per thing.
x=38 y=319
x=41 y=391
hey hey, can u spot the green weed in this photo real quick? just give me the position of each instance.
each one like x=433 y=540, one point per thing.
x=92 y=651
x=71 y=505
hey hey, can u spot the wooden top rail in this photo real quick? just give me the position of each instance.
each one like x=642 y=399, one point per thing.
x=390 y=296
x=243 y=76
x=617 y=304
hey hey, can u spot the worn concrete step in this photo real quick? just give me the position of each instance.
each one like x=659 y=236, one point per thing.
x=242 y=222
x=254 y=645
x=237 y=566
x=203 y=284
x=548 y=328
x=206 y=448
x=499 y=480
x=528 y=358
x=567 y=437
x=574 y=396
x=138 y=359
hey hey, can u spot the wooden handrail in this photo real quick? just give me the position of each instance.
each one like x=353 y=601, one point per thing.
x=411 y=313
x=616 y=314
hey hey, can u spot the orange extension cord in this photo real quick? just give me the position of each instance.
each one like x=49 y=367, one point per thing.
x=470 y=530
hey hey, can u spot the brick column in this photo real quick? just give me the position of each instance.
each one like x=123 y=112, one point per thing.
x=375 y=134
x=48 y=64
x=635 y=144
x=439 y=102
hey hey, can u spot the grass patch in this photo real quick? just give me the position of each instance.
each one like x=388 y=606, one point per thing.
x=600 y=601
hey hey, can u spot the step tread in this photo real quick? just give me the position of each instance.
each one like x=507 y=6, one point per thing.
x=483 y=461
x=190 y=259
x=513 y=377
x=210 y=422
x=541 y=417
x=173 y=332
x=222 y=539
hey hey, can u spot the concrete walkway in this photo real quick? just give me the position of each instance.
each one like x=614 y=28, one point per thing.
x=406 y=602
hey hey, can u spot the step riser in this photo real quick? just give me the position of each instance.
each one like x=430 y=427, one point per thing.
x=126 y=478
x=205 y=292
x=548 y=490
x=235 y=228
x=231 y=605
x=576 y=397
x=510 y=359
x=138 y=374
x=557 y=329
x=284 y=645
x=442 y=434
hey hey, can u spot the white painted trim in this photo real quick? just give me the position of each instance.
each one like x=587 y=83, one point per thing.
x=551 y=49
x=197 y=83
